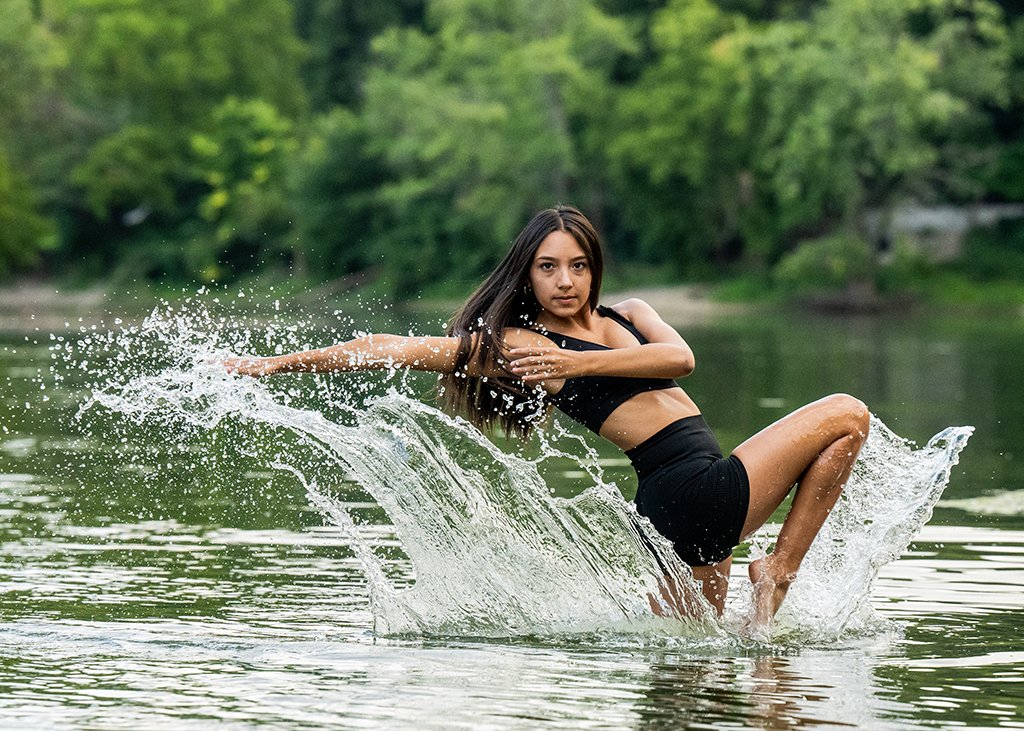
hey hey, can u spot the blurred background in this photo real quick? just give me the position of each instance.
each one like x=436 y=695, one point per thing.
x=843 y=152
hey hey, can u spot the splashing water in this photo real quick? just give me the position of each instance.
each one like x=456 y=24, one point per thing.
x=890 y=496
x=494 y=552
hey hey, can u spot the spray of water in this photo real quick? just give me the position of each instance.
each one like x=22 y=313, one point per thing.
x=494 y=552
x=890 y=496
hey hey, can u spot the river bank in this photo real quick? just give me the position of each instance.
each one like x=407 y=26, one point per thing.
x=26 y=306
x=48 y=306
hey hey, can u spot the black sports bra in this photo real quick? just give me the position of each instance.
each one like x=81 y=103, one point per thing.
x=590 y=399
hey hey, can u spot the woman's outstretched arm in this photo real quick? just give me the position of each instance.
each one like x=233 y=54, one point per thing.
x=368 y=352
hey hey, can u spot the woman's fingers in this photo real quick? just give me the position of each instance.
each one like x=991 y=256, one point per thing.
x=541 y=363
x=534 y=368
x=245 y=366
x=517 y=353
x=537 y=374
x=534 y=361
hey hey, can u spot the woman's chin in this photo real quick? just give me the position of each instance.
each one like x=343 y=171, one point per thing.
x=564 y=308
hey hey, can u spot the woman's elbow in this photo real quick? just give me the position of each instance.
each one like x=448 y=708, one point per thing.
x=684 y=363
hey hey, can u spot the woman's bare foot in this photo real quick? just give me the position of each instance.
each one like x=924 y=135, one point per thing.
x=769 y=590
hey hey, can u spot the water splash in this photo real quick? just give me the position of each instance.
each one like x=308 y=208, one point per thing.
x=494 y=552
x=889 y=497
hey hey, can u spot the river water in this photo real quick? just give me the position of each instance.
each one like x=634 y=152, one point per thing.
x=183 y=549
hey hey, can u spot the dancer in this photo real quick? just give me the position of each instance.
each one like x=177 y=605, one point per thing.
x=534 y=335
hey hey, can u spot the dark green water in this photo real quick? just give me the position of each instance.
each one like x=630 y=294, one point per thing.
x=144 y=583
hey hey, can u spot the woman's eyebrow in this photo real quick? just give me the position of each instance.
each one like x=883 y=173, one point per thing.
x=554 y=258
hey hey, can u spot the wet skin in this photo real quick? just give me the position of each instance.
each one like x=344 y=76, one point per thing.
x=813 y=448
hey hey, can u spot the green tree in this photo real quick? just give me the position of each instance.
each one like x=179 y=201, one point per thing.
x=243 y=161
x=478 y=122
x=861 y=103
x=24 y=233
x=170 y=63
x=338 y=34
x=1005 y=179
x=334 y=181
x=679 y=148
x=135 y=168
x=143 y=80
x=758 y=135
x=28 y=57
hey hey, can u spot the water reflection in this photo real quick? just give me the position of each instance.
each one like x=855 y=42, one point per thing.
x=220 y=673
x=136 y=593
x=215 y=623
x=192 y=624
x=810 y=689
x=917 y=374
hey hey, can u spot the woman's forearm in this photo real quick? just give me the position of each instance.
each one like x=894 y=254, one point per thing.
x=652 y=360
x=368 y=352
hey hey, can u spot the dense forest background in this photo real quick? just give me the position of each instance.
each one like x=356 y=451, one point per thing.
x=406 y=142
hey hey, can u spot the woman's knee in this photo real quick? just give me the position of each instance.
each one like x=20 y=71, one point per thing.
x=853 y=413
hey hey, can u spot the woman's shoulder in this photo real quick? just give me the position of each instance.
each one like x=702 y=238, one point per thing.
x=632 y=309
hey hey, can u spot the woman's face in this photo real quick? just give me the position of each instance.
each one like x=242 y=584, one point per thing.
x=560 y=275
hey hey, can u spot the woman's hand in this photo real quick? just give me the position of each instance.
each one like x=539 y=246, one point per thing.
x=247 y=366
x=546 y=363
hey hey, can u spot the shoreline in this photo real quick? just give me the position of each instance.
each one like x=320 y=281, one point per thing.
x=32 y=306
x=39 y=306
x=28 y=306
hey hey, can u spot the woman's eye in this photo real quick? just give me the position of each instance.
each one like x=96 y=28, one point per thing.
x=579 y=266
x=546 y=266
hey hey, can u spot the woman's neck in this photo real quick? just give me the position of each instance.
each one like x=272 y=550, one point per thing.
x=583 y=320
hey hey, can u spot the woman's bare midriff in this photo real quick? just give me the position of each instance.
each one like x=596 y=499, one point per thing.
x=645 y=415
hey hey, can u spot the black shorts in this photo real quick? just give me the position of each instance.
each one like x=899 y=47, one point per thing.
x=690 y=493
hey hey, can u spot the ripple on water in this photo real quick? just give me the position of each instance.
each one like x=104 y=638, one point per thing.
x=112 y=620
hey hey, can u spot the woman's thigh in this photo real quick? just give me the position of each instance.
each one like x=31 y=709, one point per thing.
x=777 y=456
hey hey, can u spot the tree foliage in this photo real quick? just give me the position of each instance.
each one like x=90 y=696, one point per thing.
x=766 y=133
x=170 y=63
x=338 y=35
x=134 y=168
x=23 y=231
x=411 y=140
x=477 y=124
x=243 y=162
x=27 y=59
x=335 y=179
x=142 y=82
x=859 y=102
x=681 y=138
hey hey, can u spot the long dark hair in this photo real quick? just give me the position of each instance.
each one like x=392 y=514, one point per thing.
x=505 y=300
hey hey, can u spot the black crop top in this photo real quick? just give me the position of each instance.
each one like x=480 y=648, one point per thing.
x=590 y=399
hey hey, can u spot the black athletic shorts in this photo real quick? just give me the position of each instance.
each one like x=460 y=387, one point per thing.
x=690 y=493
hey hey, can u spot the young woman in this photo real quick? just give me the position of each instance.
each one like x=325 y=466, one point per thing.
x=534 y=335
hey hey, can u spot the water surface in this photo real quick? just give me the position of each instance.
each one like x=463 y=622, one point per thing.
x=159 y=576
